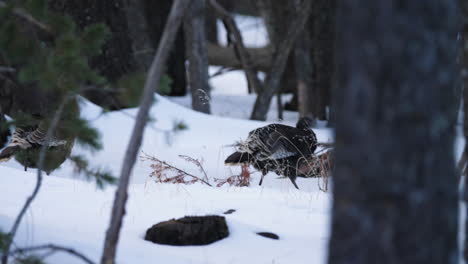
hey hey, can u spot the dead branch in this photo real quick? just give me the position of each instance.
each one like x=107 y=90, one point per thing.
x=197 y=163
x=162 y=166
x=245 y=58
x=54 y=249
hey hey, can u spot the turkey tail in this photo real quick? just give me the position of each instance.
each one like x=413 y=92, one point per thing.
x=237 y=158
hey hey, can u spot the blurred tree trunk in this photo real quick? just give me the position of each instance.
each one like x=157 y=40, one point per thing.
x=323 y=34
x=395 y=185
x=156 y=13
x=195 y=42
x=464 y=74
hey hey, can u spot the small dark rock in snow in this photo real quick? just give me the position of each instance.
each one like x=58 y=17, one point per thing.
x=230 y=211
x=268 y=235
x=189 y=230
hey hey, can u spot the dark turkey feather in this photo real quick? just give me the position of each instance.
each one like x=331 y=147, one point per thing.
x=277 y=148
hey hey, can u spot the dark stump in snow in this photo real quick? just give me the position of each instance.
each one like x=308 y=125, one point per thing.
x=189 y=230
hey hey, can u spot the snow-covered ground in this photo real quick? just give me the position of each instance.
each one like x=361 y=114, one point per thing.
x=75 y=213
x=72 y=212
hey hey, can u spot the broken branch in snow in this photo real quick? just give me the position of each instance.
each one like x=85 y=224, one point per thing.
x=54 y=249
x=162 y=171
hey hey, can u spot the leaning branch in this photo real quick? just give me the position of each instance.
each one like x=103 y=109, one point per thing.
x=272 y=84
x=245 y=58
x=152 y=82
x=54 y=248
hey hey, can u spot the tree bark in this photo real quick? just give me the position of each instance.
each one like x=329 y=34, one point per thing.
x=323 y=34
x=211 y=25
x=195 y=44
x=156 y=13
x=304 y=75
x=152 y=82
x=395 y=185
x=464 y=75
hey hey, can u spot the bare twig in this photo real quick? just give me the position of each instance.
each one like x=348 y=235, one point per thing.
x=40 y=164
x=244 y=55
x=197 y=163
x=152 y=83
x=53 y=248
x=180 y=171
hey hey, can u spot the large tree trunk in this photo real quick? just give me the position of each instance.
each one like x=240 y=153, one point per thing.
x=395 y=185
x=323 y=34
x=195 y=42
x=156 y=13
x=464 y=74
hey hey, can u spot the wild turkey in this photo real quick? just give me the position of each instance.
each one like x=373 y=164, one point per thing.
x=278 y=148
x=26 y=142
